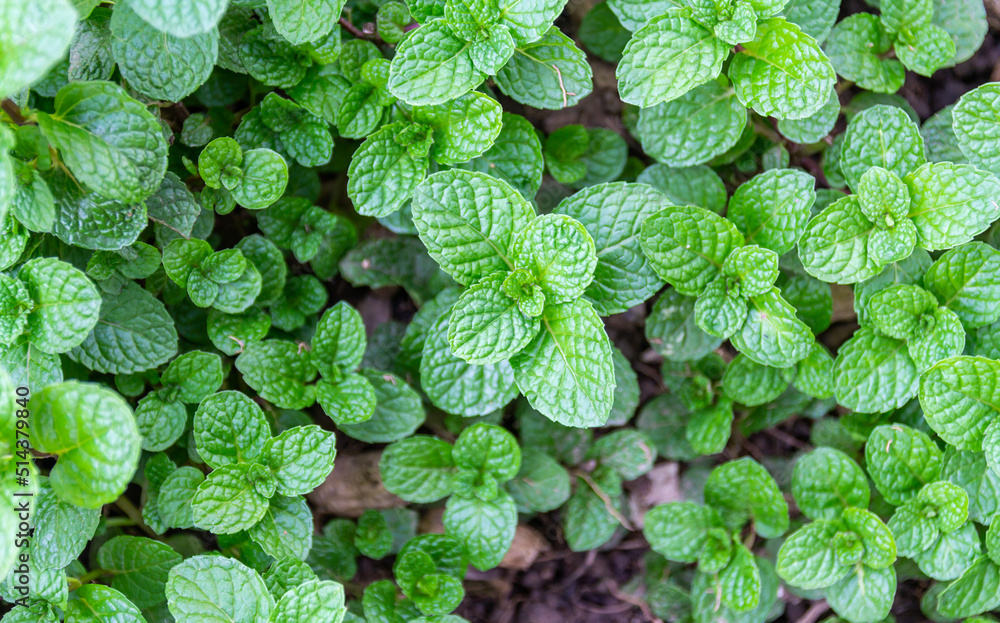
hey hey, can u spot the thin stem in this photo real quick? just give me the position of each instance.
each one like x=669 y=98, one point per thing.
x=118 y=522
x=351 y=28
x=13 y=112
x=133 y=513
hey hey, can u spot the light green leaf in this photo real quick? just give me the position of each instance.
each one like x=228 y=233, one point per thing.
x=807 y=559
x=834 y=245
x=865 y=594
x=743 y=490
x=696 y=127
x=304 y=21
x=826 y=481
x=215 y=589
x=698 y=186
x=559 y=251
x=567 y=372
x=419 y=469
x=550 y=73
x=486 y=528
x=280 y=372
x=857 y=47
x=975 y=592
x=672 y=330
x=65 y=304
x=301 y=458
x=782 y=72
x=339 y=342
x=398 y=412
x=678 y=530
x=772 y=209
x=960 y=397
x=873 y=373
x=515 y=157
x=900 y=461
x=464 y=128
x=228 y=500
x=772 y=335
x=432 y=66
x=133 y=333
x=110 y=141
x=180 y=19
x=881 y=136
x=229 y=428
x=966 y=280
x=176 y=493
x=285 y=530
x=34 y=36
x=92 y=431
x=315 y=601
x=668 y=57
x=157 y=64
x=91 y=221
x=99 y=603
x=951 y=203
x=140 y=567
x=752 y=384
x=480 y=214
x=687 y=246
x=61 y=530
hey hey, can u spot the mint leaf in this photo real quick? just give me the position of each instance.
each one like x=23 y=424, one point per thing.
x=687 y=246
x=771 y=209
x=140 y=567
x=667 y=57
x=566 y=372
x=951 y=203
x=550 y=73
x=486 y=325
x=881 y=136
x=432 y=66
x=214 y=588
x=481 y=215
x=418 y=469
x=228 y=500
x=486 y=528
x=743 y=490
x=958 y=397
x=826 y=481
x=301 y=458
x=280 y=371
x=772 y=335
x=303 y=21
x=834 y=246
x=782 y=72
x=229 y=428
x=964 y=281
x=180 y=19
x=36 y=36
x=93 y=470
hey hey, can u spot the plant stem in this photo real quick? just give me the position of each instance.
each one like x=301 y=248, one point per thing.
x=133 y=513
x=115 y=522
x=351 y=28
x=13 y=112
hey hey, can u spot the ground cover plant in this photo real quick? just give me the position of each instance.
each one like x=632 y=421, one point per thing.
x=630 y=310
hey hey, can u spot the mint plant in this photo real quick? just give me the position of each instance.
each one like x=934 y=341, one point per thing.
x=697 y=282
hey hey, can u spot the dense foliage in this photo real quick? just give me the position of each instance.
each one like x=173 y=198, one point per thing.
x=194 y=192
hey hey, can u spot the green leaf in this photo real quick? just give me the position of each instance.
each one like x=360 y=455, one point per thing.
x=588 y=522
x=157 y=64
x=271 y=59
x=771 y=209
x=301 y=458
x=480 y=214
x=228 y=500
x=742 y=490
x=280 y=372
x=857 y=48
x=873 y=373
x=419 y=469
x=94 y=469
x=865 y=594
x=90 y=221
x=634 y=13
x=966 y=281
x=807 y=559
x=180 y=19
x=772 y=335
x=971 y=472
x=262 y=180
x=834 y=246
x=99 y=603
x=304 y=21
x=720 y=311
x=320 y=601
x=432 y=66
x=975 y=592
x=463 y=388
x=679 y=530
x=672 y=330
x=667 y=57
x=133 y=333
x=881 y=136
x=161 y=421
x=65 y=304
x=826 y=481
x=976 y=128
x=285 y=530
x=687 y=246
x=229 y=428
x=559 y=251
x=230 y=333
x=925 y=49
x=196 y=374
x=176 y=493
x=140 y=567
x=398 y=412
x=485 y=327
x=951 y=203
x=566 y=372
x=740 y=581
x=897 y=310
x=698 y=186
x=541 y=485
x=464 y=128
x=350 y=400
x=710 y=427
x=61 y=530
x=951 y=554
x=515 y=157
x=486 y=528
x=550 y=73
x=613 y=215
x=959 y=397
x=752 y=384
x=35 y=37
x=488 y=449
x=695 y=127
x=339 y=342
x=900 y=461
x=215 y=589
x=782 y=72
